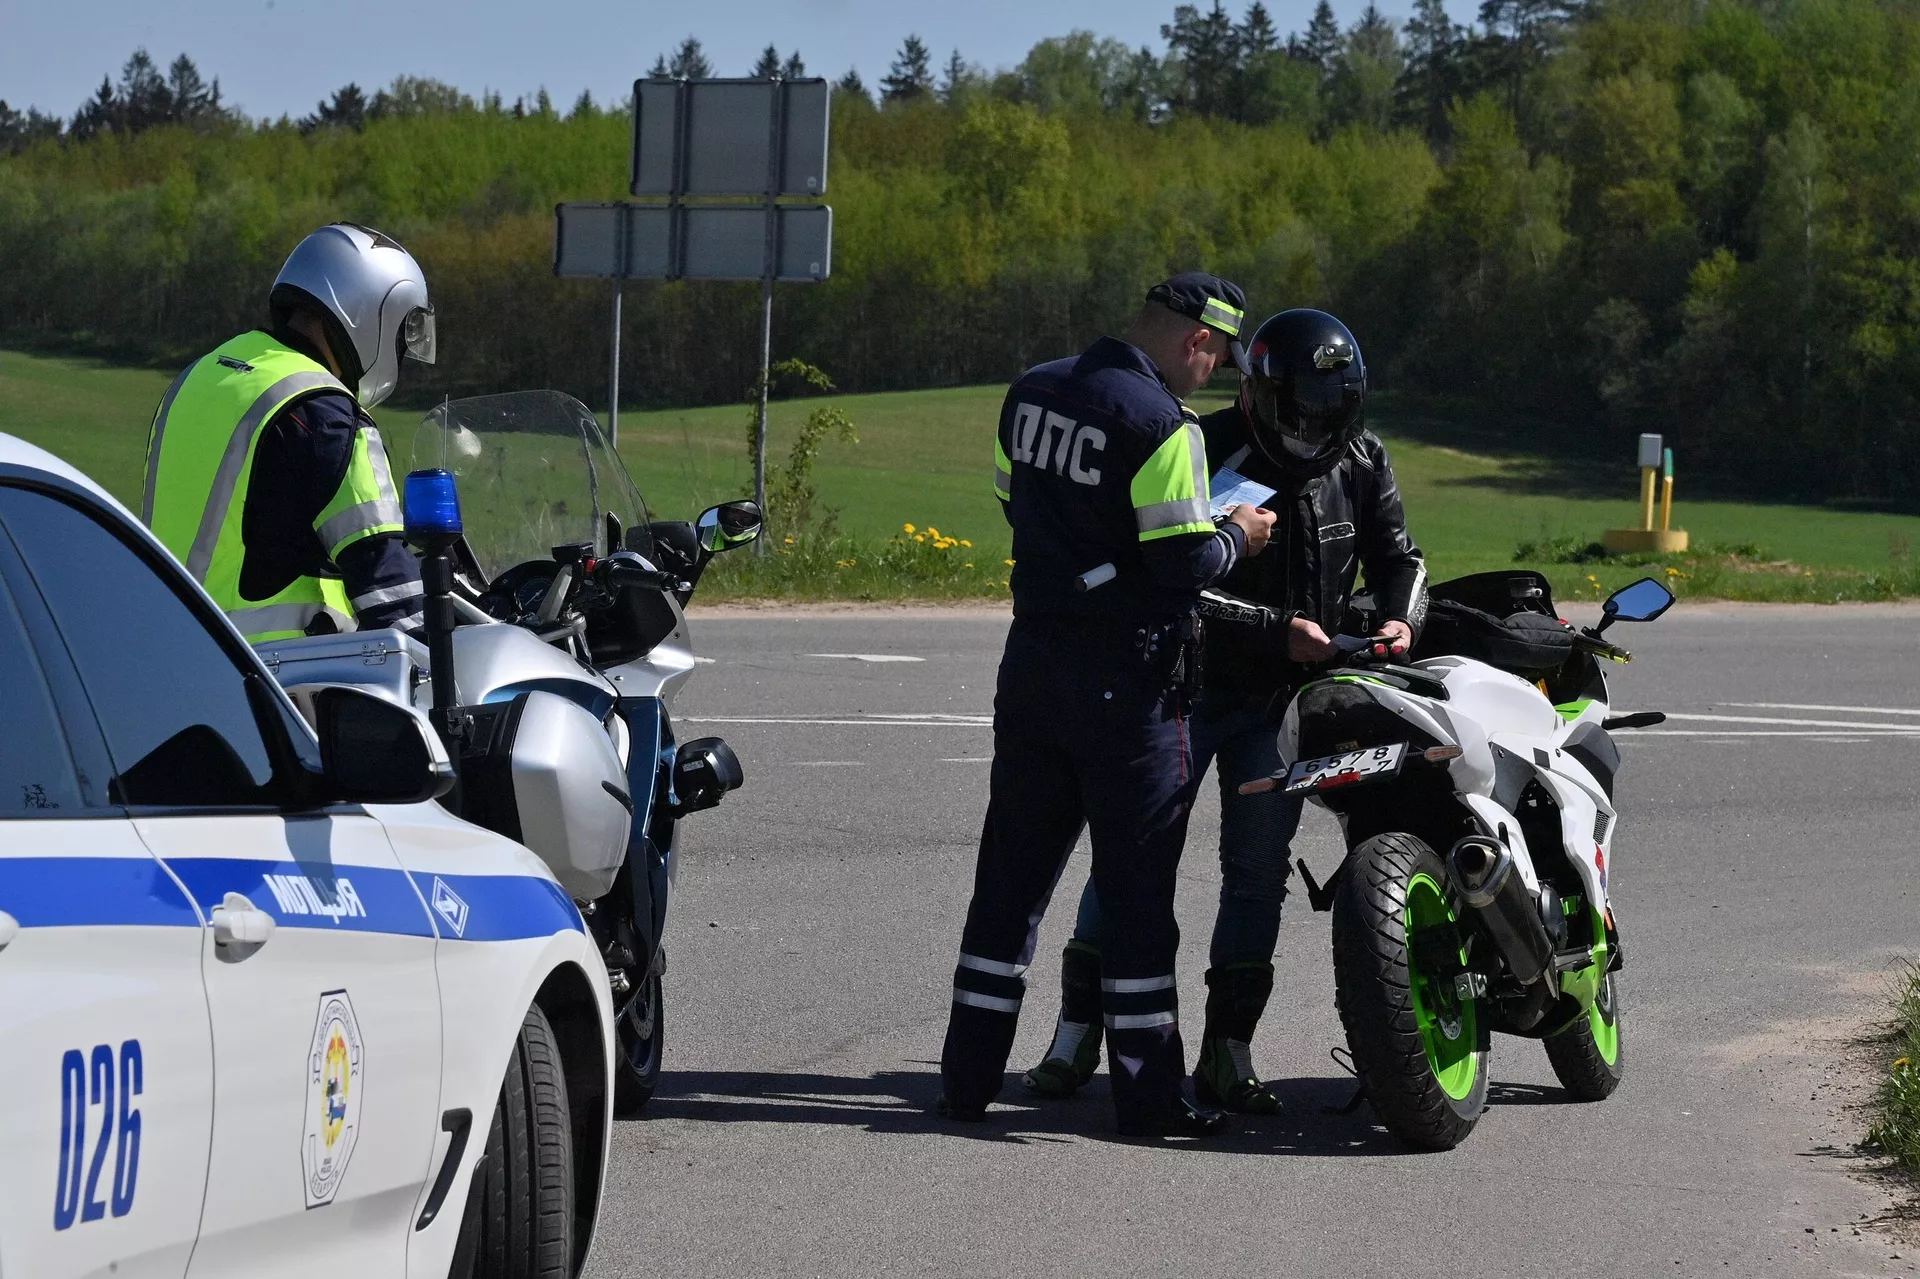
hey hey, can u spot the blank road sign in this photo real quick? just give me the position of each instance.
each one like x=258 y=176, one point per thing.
x=715 y=134
x=587 y=239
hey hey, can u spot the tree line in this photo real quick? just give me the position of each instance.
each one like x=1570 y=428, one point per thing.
x=1700 y=217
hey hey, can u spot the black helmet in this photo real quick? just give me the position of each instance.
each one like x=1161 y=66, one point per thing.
x=1306 y=395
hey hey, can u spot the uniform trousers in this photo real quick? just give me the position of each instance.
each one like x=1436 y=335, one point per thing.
x=1090 y=732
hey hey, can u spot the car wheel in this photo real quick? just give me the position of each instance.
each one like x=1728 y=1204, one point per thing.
x=519 y=1218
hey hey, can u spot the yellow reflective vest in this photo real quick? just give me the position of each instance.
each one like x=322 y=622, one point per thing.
x=199 y=461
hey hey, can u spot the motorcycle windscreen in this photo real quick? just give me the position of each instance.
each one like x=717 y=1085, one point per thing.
x=535 y=471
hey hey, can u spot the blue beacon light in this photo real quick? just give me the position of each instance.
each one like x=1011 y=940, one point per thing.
x=432 y=506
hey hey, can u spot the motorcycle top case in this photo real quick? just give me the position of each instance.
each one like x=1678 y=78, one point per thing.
x=541 y=770
x=386 y=663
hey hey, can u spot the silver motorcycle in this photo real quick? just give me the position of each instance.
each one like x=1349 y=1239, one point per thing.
x=556 y=641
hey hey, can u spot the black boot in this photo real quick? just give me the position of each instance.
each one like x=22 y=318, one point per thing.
x=1075 y=1052
x=1224 y=1076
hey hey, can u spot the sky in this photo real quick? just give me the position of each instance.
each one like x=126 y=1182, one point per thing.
x=282 y=56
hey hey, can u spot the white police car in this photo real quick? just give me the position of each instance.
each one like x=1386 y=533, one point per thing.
x=265 y=1009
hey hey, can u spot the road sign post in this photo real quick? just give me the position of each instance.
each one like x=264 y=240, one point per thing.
x=710 y=140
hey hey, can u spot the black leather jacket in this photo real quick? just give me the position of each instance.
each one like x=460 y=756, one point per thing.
x=1329 y=529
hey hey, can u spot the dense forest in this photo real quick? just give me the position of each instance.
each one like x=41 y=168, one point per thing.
x=1694 y=216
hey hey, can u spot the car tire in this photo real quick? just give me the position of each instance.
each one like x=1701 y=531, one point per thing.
x=520 y=1210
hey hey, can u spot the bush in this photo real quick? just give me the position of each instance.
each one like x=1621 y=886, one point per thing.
x=916 y=563
x=1896 y=1128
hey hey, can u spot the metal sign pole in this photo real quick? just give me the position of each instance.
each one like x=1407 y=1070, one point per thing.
x=775 y=147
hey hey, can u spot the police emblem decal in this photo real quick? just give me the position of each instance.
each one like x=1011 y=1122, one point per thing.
x=335 y=1074
x=450 y=906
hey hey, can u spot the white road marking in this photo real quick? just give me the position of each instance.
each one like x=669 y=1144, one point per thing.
x=841 y=723
x=969 y=759
x=706 y=661
x=1805 y=723
x=827 y=763
x=1808 y=706
x=1828 y=734
x=868 y=657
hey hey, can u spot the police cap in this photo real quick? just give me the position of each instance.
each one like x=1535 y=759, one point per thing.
x=1219 y=304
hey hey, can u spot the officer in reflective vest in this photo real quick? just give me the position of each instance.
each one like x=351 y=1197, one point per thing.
x=265 y=475
x=1101 y=470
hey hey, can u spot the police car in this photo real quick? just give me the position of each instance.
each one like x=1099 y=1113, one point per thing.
x=265 y=1008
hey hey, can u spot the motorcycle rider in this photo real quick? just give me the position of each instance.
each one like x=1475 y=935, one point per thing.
x=1297 y=428
x=266 y=476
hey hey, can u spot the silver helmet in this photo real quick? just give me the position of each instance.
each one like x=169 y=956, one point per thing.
x=374 y=293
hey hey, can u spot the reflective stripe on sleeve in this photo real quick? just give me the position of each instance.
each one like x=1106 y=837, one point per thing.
x=1170 y=491
x=1002 y=471
x=1140 y=1021
x=227 y=477
x=994 y=966
x=990 y=1002
x=356 y=522
x=387 y=595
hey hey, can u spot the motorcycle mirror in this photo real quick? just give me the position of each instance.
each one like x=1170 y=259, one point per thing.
x=1642 y=601
x=730 y=524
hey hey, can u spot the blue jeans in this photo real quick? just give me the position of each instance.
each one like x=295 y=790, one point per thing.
x=1256 y=836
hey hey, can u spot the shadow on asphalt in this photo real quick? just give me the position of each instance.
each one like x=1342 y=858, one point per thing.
x=900 y=1101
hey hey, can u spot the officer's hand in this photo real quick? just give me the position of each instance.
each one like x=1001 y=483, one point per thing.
x=1254 y=521
x=1306 y=642
x=1397 y=635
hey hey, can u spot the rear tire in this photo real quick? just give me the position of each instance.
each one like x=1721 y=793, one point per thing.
x=641 y=1040
x=1420 y=1051
x=1589 y=1057
x=520 y=1209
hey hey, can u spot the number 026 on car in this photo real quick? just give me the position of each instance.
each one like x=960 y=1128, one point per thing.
x=1345 y=769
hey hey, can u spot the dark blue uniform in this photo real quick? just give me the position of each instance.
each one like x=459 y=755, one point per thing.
x=1098 y=464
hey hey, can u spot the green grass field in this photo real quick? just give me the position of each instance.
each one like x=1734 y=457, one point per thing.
x=924 y=458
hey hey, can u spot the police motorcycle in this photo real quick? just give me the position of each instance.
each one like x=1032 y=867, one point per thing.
x=1477 y=805
x=556 y=641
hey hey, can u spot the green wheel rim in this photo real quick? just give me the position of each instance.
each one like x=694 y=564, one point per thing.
x=1449 y=1026
x=1604 y=1024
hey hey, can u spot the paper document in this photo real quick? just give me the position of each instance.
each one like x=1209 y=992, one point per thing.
x=1230 y=488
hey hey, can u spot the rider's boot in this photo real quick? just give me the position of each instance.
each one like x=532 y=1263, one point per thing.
x=1224 y=1076
x=1075 y=1052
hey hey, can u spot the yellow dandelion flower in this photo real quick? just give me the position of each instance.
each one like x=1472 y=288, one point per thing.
x=932 y=531
x=919 y=537
x=789 y=541
x=966 y=566
x=1008 y=563
x=1902 y=1063
x=906 y=528
x=964 y=542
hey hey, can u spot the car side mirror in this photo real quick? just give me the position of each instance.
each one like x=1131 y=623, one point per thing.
x=372 y=751
x=1642 y=601
x=730 y=524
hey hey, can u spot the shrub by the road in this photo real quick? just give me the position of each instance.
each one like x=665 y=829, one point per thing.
x=915 y=563
x=1896 y=1126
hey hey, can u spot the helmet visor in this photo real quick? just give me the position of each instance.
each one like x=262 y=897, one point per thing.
x=417 y=335
x=1303 y=435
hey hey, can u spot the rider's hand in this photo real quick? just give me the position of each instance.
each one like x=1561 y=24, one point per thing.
x=1397 y=635
x=1306 y=642
x=1254 y=521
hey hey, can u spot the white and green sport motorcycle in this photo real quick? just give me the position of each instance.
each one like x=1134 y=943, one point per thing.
x=1478 y=810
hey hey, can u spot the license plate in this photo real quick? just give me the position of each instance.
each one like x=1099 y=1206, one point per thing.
x=1345 y=769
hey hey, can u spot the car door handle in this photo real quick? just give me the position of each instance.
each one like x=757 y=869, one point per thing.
x=9 y=929
x=240 y=927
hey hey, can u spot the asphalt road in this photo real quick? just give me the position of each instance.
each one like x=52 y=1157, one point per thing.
x=1764 y=878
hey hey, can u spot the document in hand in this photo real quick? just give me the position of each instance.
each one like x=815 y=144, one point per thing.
x=1230 y=488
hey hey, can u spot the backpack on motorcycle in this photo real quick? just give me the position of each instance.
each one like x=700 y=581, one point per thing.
x=1503 y=619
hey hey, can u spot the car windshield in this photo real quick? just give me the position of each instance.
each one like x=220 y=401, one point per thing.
x=535 y=472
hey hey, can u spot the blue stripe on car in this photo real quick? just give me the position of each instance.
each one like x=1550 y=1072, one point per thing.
x=55 y=892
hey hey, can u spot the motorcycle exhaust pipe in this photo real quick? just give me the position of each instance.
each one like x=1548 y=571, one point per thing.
x=1482 y=869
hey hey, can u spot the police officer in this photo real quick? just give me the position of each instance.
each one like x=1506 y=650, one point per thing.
x=1102 y=473
x=1298 y=429
x=265 y=475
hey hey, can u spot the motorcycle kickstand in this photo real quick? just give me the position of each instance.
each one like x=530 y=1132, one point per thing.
x=1359 y=1089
